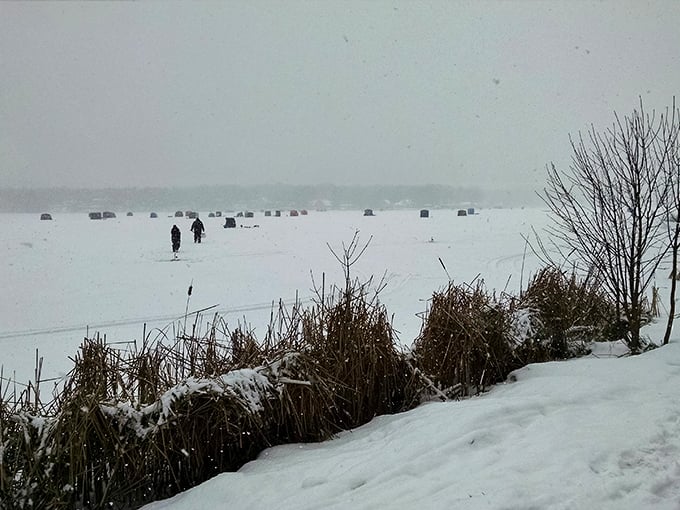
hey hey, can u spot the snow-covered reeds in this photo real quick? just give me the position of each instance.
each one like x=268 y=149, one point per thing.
x=567 y=312
x=472 y=338
x=139 y=421
x=118 y=435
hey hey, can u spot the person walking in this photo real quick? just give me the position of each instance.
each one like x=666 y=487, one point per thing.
x=175 y=237
x=197 y=228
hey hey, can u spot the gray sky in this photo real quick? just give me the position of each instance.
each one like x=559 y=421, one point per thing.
x=241 y=92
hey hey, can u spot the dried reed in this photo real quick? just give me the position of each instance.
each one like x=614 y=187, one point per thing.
x=463 y=345
x=569 y=312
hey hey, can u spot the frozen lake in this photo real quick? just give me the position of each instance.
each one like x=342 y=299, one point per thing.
x=72 y=276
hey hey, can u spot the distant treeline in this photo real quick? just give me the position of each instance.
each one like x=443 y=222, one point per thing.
x=270 y=196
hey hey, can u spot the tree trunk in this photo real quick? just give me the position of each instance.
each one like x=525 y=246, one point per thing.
x=671 y=307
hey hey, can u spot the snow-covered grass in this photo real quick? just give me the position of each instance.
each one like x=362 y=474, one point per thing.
x=601 y=432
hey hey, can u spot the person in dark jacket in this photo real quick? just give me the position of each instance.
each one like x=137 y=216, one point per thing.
x=197 y=228
x=175 y=237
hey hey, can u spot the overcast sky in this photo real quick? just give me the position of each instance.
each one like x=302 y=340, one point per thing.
x=248 y=92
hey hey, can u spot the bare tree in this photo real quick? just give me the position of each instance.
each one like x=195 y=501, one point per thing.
x=609 y=208
x=674 y=239
x=671 y=132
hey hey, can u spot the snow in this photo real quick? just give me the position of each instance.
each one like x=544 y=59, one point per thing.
x=245 y=385
x=593 y=433
x=599 y=432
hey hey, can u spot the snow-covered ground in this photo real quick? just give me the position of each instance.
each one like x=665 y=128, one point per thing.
x=601 y=432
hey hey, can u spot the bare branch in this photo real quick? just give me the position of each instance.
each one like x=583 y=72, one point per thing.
x=608 y=208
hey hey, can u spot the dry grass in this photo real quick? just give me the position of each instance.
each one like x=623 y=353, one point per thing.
x=568 y=312
x=133 y=425
x=471 y=338
x=351 y=339
x=463 y=346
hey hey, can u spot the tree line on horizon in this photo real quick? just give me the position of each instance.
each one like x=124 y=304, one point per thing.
x=269 y=196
